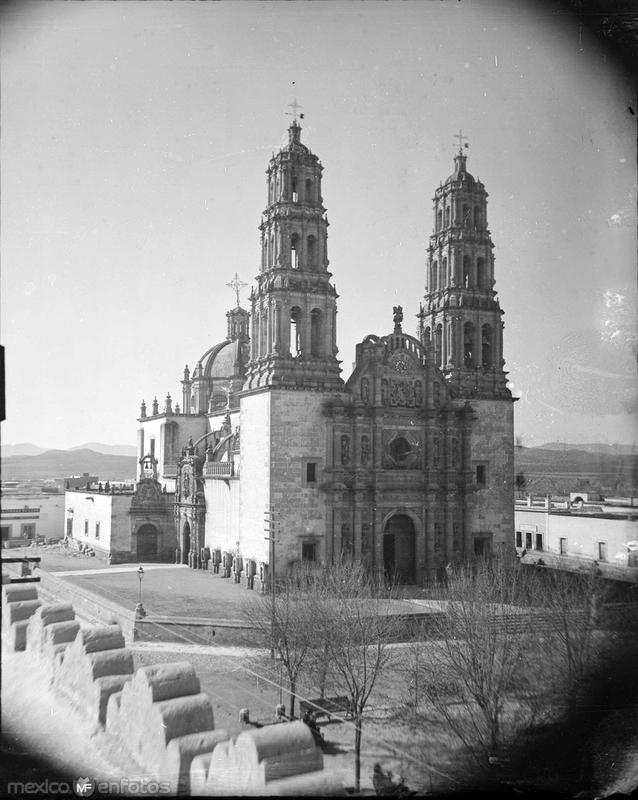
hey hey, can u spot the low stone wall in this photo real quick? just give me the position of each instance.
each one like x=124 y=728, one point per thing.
x=157 y=718
x=91 y=607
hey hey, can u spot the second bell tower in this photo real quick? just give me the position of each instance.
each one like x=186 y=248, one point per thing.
x=461 y=316
x=293 y=308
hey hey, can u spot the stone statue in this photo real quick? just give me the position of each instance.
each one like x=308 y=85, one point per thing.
x=398 y=315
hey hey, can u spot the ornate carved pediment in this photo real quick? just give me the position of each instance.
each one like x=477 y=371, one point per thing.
x=148 y=492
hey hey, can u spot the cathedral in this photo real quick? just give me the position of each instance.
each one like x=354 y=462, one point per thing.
x=274 y=456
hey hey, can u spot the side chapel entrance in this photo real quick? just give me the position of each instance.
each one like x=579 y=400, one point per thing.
x=399 y=552
x=147 y=543
x=186 y=542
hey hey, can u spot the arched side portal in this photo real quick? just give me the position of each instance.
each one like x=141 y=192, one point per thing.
x=147 y=540
x=186 y=542
x=399 y=549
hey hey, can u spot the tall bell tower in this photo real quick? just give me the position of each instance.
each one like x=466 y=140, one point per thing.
x=461 y=317
x=293 y=307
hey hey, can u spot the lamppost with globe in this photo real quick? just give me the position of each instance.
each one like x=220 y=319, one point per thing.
x=139 y=608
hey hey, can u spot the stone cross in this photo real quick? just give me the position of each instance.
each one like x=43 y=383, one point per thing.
x=236 y=284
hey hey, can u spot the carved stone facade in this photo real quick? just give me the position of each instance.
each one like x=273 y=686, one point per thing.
x=407 y=466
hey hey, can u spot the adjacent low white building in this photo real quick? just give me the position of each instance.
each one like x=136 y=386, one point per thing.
x=577 y=533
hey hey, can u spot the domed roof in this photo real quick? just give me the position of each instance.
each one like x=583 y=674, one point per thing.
x=222 y=360
x=294 y=140
x=460 y=173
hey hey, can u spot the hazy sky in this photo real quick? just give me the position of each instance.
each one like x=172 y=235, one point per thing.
x=135 y=137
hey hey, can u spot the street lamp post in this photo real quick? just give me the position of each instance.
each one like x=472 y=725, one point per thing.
x=139 y=608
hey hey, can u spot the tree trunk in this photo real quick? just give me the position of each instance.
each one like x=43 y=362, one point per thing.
x=293 y=686
x=357 y=753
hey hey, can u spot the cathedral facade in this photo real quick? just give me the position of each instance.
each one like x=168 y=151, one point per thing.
x=406 y=466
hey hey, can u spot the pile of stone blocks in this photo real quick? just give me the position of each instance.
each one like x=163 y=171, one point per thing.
x=163 y=720
x=94 y=666
x=19 y=604
x=50 y=631
x=275 y=760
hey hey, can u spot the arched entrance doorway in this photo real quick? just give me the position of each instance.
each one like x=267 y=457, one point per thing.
x=399 y=552
x=147 y=543
x=186 y=542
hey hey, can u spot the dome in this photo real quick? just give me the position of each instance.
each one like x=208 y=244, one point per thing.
x=223 y=360
x=460 y=173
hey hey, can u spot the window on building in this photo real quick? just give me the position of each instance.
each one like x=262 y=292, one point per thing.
x=315 y=332
x=293 y=186
x=538 y=544
x=482 y=546
x=311 y=472
x=295 y=331
x=27 y=530
x=308 y=551
x=97 y=530
x=365 y=538
x=447 y=216
x=486 y=346
x=438 y=348
x=528 y=540
x=86 y=527
x=346 y=539
x=563 y=546
x=602 y=551
x=481 y=282
x=468 y=335
x=311 y=251
x=436 y=393
x=467 y=272
x=481 y=474
x=5 y=532
x=308 y=190
x=434 y=274
x=69 y=527
x=519 y=539
x=294 y=251
x=400 y=449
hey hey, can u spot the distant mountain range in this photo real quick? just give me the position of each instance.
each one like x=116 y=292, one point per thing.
x=553 y=468
x=608 y=449
x=52 y=464
x=28 y=449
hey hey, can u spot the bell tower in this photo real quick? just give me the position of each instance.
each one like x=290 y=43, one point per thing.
x=460 y=319
x=294 y=304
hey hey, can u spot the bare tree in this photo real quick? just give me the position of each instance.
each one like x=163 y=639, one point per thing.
x=572 y=603
x=472 y=670
x=352 y=627
x=282 y=624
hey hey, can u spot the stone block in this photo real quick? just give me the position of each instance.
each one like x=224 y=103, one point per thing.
x=107 y=637
x=17 y=610
x=165 y=681
x=103 y=689
x=42 y=618
x=90 y=678
x=181 y=752
x=17 y=635
x=168 y=719
x=199 y=774
x=259 y=758
x=15 y=593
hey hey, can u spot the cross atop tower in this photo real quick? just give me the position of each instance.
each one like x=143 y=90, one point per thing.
x=460 y=137
x=295 y=107
x=236 y=284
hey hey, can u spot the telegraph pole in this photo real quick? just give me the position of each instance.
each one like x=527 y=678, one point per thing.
x=269 y=519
